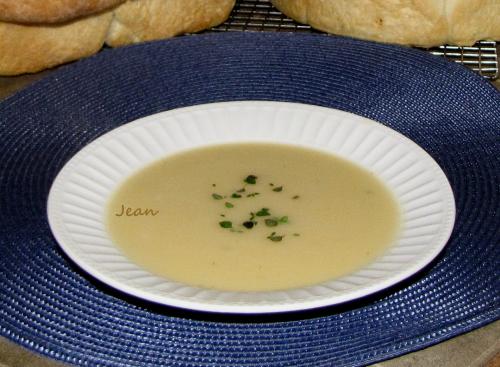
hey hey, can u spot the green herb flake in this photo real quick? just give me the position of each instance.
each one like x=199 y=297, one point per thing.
x=295 y=197
x=229 y=205
x=253 y=194
x=241 y=190
x=283 y=219
x=249 y=224
x=274 y=237
x=213 y=185
x=251 y=179
x=226 y=224
x=271 y=184
x=296 y=234
x=222 y=215
x=236 y=196
x=217 y=196
x=271 y=222
x=263 y=212
x=252 y=215
x=278 y=189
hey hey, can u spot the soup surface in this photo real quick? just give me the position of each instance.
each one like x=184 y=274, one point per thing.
x=252 y=217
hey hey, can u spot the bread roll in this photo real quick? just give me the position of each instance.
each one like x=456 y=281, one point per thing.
x=145 y=20
x=473 y=20
x=424 y=23
x=51 y=11
x=28 y=48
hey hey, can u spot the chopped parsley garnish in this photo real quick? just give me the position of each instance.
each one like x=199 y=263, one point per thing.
x=249 y=224
x=251 y=179
x=263 y=212
x=263 y=215
x=226 y=224
x=271 y=222
x=274 y=237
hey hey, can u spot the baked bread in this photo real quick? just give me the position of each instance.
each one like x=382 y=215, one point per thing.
x=423 y=23
x=30 y=47
x=146 y=20
x=473 y=20
x=51 y=11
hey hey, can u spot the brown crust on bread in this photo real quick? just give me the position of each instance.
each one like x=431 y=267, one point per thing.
x=28 y=48
x=51 y=11
x=146 y=20
x=424 y=23
x=473 y=20
x=407 y=22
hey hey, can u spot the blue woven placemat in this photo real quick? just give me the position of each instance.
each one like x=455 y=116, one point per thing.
x=48 y=305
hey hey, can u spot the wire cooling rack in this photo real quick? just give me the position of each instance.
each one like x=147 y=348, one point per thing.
x=260 y=15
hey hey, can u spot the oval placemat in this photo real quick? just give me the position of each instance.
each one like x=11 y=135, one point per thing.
x=48 y=305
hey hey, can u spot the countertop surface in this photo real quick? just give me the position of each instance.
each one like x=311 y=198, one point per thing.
x=478 y=348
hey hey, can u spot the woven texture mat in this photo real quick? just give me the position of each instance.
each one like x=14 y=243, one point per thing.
x=48 y=305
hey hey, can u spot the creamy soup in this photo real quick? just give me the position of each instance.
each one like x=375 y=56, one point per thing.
x=252 y=217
